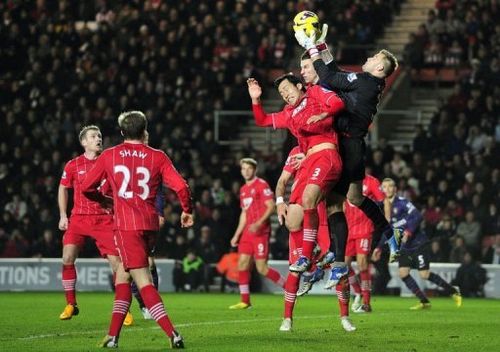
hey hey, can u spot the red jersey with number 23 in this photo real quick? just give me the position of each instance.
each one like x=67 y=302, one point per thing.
x=135 y=172
x=253 y=198
x=359 y=225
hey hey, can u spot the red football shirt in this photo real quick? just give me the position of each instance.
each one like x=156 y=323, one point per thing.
x=315 y=101
x=253 y=197
x=73 y=175
x=359 y=225
x=135 y=173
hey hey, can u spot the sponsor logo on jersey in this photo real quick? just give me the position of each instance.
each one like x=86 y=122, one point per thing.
x=247 y=202
x=81 y=172
x=299 y=108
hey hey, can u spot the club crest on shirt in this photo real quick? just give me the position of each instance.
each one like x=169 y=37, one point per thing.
x=299 y=108
x=351 y=77
x=247 y=202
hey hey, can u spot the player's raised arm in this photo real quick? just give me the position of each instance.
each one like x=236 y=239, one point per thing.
x=276 y=120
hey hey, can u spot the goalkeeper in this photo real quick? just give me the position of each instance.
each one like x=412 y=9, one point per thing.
x=360 y=92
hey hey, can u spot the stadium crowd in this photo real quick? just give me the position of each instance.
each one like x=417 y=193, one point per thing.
x=58 y=74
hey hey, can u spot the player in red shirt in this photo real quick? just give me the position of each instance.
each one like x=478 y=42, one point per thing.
x=88 y=218
x=292 y=215
x=360 y=229
x=135 y=173
x=253 y=231
x=316 y=137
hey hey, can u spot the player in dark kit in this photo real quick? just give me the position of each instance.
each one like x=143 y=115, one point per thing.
x=135 y=172
x=360 y=93
x=414 y=246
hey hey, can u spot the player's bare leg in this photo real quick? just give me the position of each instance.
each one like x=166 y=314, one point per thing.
x=244 y=262
x=70 y=253
x=453 y=291
x=310 y=200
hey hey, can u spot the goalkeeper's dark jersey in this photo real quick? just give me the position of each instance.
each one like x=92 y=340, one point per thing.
x=360 y=92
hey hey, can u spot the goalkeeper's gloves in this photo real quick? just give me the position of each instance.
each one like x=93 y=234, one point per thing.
x=308 y=43
x=322 y=47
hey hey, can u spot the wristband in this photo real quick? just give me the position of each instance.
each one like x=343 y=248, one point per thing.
x=313 y=52
x=321 y=47
x=279 y=200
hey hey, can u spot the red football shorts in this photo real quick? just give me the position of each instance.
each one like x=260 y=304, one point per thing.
x=256 y=245
x=322 y=168
x=358 y=246
x=97 y=227
x=134 y=247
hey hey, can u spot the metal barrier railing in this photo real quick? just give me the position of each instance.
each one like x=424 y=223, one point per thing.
x=222 y=119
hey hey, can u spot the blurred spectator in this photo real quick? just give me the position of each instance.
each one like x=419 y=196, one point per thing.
x=192 y=268
x=470 y=230
x=458 y=250
x=47 y=246
x=492 y=253
x=437 y=254
x=470 y=277
x=228 y=268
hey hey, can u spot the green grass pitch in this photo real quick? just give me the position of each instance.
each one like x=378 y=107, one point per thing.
x=29 y=322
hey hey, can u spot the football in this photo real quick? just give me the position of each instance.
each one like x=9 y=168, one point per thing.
x=306 y=21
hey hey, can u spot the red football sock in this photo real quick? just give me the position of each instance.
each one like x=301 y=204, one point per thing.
x=244 y=283
x=342 y=289
x=123 y=297
x=311 y=224
x=69 y=283
x=353 y=281
x=154 y=304
x=366 y=285
x=275 y=277
x=291 y=287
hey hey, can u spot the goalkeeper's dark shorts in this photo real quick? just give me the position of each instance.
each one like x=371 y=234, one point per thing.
x=353 y=154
